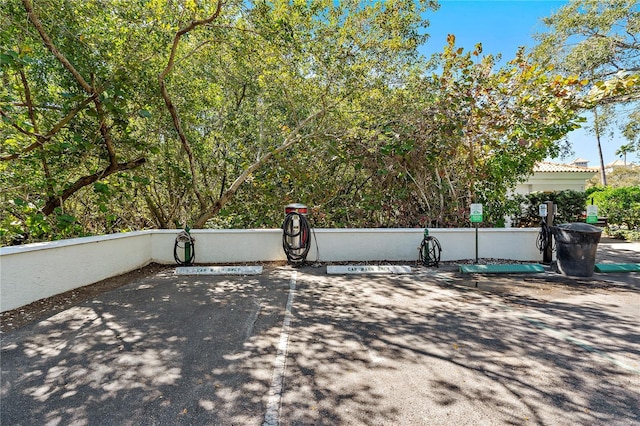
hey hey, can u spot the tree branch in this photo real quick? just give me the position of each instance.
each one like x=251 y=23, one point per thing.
x=617 y=42
x=173 y=111
x=42 y=139
x=114 y=166
x=55 y=201
x=52 y=48
x=291 y=139
x=104 y=132
x=15 y=126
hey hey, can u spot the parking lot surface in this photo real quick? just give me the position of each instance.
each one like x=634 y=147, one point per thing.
x=295 y=346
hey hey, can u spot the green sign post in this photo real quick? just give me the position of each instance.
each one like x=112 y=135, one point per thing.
x=592 y=214
x=476 y=217
x=476 y=213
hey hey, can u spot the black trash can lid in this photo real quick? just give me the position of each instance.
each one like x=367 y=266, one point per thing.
x=580 y=227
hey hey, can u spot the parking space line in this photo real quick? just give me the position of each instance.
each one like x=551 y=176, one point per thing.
x=272 y=414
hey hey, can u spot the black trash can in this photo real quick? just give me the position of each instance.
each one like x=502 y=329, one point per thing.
x=576 y=246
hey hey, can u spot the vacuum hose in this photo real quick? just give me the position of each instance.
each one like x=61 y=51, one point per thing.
x=544 y=237
x=296 y=238
x=186 y=243
x=430 y=250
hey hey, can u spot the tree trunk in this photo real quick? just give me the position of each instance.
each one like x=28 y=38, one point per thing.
x=596 y=129
x=56 y=201
x=227 y=195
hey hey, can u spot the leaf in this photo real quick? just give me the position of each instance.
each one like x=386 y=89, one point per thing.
x=6 y=59
x=101 y=188
x=451 y=39
x=144 y=113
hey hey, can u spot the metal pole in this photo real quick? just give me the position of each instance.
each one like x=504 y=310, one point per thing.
x=476 y=243
x=548 y=250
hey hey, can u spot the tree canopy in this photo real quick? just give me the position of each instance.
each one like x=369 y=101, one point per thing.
x=126 y=115
x=599 y=41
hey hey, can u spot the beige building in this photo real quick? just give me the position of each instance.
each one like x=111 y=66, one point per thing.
x=558 y=177
x=619 y=163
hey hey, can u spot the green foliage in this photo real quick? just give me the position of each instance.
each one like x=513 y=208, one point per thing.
x=26 y=222
x=256 y=79
x=631 y=131
x=624 y=234
x=598 y=41
x=620 y=205
x=624 y=150
x=495 y=211
x=156 y=114
x=571 y=206
x=594 y=39
x=467 y=134
x=619 y=177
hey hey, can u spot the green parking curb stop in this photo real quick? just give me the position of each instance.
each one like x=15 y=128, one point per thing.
x=617 y=267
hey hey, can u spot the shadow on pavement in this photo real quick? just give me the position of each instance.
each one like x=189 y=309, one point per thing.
x=401 y=351
x=162 y=350
x=428 y=348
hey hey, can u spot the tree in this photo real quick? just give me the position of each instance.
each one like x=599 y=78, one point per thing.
x=492 y=124
x=63 y=108
x=631 y=130
x=597 y=40
x=624 y=150
x=126 y=115
x=320 y=56
x=197 y=99
x=619 y=177
x=468 y=133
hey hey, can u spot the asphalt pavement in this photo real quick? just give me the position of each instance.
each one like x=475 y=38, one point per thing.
x=295 y=346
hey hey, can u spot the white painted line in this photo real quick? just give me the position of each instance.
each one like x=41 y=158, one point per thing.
x=369 y=269
x=218 y=270
x=272 y=415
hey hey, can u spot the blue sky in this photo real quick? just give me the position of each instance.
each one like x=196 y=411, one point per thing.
x=502 y=26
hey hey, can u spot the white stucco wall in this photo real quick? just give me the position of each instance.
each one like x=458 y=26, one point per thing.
x=36 y=271
x=554 y=181
x=222 y=245
x=337 y=245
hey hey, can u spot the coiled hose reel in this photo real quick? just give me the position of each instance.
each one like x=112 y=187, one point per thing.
x=430 y=250
x=544 y=239
x=185 y=243
x=296 y=237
